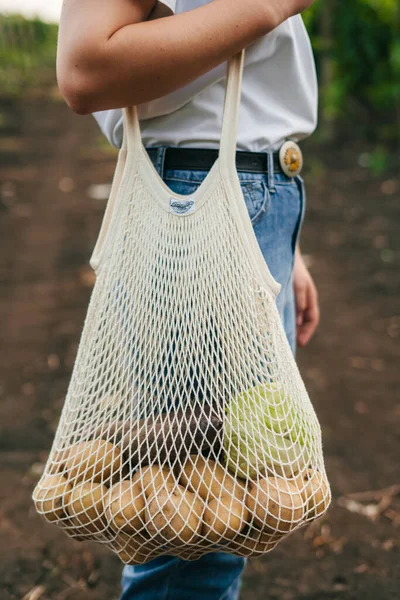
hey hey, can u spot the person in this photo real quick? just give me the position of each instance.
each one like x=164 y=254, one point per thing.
x=170 y=60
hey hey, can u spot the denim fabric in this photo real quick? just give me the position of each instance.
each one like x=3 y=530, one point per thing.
x=212 y=577
x=276 y=206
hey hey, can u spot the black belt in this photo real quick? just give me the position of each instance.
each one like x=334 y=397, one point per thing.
x=202 y=159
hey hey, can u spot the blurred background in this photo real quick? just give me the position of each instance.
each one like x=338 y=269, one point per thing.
x=55 y=172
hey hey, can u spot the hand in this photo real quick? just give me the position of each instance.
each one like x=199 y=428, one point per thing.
x=307 y=305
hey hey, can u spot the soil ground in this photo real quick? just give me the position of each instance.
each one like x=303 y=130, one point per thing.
x=50 y=160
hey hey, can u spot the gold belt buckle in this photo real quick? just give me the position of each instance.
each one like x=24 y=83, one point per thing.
x=291 y=158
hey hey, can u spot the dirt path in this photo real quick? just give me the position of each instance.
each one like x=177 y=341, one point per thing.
x=48 y=225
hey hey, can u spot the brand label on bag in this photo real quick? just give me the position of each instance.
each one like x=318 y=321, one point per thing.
x=182 y=207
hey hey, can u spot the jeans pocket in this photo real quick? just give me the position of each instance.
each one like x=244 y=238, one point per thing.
x=180 y=186
x=257 y=198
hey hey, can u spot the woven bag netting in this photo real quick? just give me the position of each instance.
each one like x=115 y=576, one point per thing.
x=187 y=428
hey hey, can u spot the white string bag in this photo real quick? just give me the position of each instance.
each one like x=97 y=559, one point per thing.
x=187 y=428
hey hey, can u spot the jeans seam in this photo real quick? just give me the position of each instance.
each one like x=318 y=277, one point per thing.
x=247 y=189
x=271 y=172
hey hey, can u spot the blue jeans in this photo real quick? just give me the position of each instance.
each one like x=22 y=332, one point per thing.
x=276 y=206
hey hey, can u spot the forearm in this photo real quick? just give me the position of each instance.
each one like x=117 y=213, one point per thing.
x=137 y=62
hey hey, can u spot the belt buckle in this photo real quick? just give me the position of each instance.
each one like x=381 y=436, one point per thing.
x=291 y=158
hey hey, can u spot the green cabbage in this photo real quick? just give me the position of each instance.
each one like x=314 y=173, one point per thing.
x=261 y=431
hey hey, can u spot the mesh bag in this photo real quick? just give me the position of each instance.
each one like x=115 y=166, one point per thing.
x=187 y=428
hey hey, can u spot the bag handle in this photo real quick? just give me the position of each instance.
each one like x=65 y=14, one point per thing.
x=132 y=144
x=227 y=149
x=230 y=119
x=105 y=226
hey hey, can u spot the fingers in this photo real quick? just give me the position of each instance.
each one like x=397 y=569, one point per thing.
x=310 y=316
x=301 y=304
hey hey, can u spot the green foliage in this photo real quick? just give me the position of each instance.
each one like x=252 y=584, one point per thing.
x=357 y=50
x=27 y=52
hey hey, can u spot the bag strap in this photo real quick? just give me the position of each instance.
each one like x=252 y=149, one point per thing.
x=95 y=259
x=230 y=119
x=132 y=144
x=227 y=149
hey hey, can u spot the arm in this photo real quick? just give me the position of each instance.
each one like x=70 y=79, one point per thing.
x=307 y=304
x=110 y=54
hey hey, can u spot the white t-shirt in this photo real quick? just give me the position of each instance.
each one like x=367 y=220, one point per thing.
x=278 y=100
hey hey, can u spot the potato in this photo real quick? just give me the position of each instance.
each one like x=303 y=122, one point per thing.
x=193 y=551
x=51 y=496
x=175 y=515
x=81 y=533
x=96 y=460
x=189 y=553
x=134 y=557
x=86 y=508
x=58 y=461
x=232 y=487
x=275 y=504
x=255 y=543
x=130 y=555
x=124 y=506
x=224 y=518
x=206 y=478
x=152 y=478
x=315 y=491
x=136 y=540
x=133 y=550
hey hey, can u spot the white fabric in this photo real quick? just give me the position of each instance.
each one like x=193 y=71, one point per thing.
x=279 y=98
x=170 y=3
x=183 y=356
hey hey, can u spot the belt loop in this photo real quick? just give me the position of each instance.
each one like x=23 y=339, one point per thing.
x=160 y=160
x=271 y=172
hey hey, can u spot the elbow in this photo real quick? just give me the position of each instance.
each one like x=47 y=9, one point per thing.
x=78 y=92
x=78 y=75
x=81 y=81
x=93 y=87
x=79 y=103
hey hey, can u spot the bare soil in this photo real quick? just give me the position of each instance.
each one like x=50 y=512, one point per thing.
x=49 y=159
